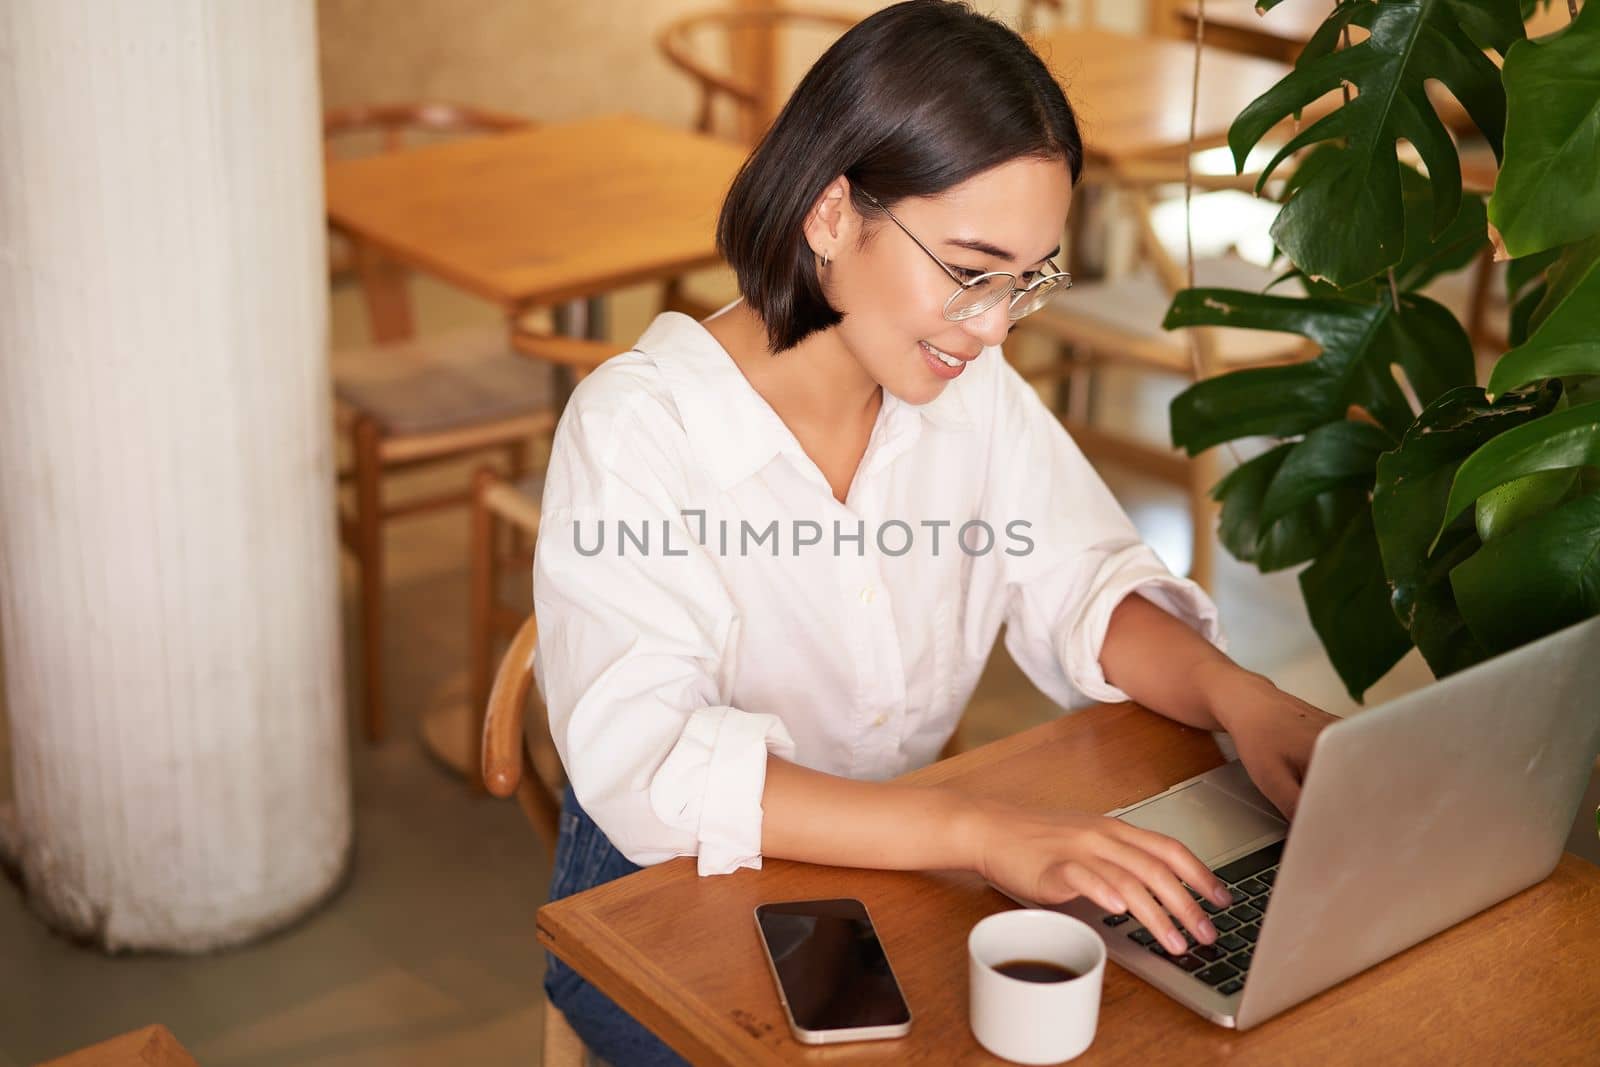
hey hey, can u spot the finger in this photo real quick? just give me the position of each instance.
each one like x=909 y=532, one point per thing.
x=1160 y=879
x=1085 y=882
x=1151 y=915
x=1176 y=855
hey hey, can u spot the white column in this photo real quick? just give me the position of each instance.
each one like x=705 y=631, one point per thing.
x=168 y=561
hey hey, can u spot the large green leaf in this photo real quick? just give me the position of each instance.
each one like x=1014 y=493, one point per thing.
x=1556 y=441
x=1361 y=344
x=1424 y=256
x=1566 y=325
x=1358 y=182
x=1337 y=455
x=1536 y=580
x=1548 y=191
x=1292 y=538
x=1347 y=598
x=1408 y=502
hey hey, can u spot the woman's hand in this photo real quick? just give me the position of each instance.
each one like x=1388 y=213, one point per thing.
x=1272 y=730
x=1051 y=857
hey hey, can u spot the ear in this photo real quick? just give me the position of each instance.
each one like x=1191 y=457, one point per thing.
x=832 y=222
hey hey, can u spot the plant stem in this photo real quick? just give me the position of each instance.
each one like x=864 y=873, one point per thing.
x=1188 y=175
x=1394 y=292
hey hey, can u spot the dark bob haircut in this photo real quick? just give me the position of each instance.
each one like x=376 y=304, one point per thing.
x=912 y=101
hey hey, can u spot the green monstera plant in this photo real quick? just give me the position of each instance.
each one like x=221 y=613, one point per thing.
x=1432 y=512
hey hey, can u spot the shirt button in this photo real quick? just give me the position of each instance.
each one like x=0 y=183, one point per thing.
x=867 y=593
x=880 y=720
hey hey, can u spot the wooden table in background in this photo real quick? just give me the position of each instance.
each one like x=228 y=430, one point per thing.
x=153 y=1046
x=1132 y=93
x=1282 y=32
x=1519 y=981
x=535 y=218
x=1279 y=34
x=546 y=215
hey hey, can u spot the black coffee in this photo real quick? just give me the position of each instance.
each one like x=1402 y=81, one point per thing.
x=1037 y=971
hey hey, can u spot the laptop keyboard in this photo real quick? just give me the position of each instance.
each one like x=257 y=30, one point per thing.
x=1224 y=964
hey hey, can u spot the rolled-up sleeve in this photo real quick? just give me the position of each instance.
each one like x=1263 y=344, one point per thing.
x=636 y=655
x=1086 y=555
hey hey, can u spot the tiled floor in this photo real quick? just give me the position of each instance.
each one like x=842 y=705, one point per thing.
x=428 y=954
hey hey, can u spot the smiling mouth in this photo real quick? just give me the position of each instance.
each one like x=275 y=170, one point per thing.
x=946 y=358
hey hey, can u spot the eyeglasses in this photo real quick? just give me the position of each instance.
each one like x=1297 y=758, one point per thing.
x=981 y=292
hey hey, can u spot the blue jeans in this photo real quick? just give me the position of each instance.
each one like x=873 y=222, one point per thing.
x=585 y=859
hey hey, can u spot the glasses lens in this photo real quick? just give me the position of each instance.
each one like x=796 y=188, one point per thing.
x=1031 y=301
x=977 y=299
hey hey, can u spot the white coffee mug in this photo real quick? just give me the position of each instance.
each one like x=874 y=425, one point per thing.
x=1034 y=1022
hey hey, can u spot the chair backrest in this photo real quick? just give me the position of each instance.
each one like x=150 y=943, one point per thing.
x=392 y=124
x=508 y=767
x=581 y=354
x=751 y=41
x=1028 y=19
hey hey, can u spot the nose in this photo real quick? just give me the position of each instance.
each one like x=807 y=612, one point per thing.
x=991 y=327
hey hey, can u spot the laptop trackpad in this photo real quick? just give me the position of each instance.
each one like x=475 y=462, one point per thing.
x=1211 y=821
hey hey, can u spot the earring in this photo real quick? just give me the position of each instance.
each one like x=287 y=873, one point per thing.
x=824 y=259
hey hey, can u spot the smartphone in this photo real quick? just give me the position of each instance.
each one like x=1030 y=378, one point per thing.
x=833 y=976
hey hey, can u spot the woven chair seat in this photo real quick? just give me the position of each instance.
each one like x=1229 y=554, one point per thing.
x=1133 y=306
x=443 y=382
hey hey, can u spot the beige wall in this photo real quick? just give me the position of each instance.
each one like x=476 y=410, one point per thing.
x=547 y=59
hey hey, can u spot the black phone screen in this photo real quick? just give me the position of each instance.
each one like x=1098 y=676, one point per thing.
x=831 y=966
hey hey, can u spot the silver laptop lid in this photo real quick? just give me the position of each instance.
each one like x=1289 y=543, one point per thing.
x=1422 y=812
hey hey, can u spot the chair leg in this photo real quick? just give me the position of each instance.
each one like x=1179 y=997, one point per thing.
x=369 y=560
x=482 y=577
x=562 y=1046
x=1080 y=387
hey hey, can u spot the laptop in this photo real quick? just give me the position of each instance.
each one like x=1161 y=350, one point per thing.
x=1414 y=816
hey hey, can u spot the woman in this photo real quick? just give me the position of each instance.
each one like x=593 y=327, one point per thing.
x=778 y=546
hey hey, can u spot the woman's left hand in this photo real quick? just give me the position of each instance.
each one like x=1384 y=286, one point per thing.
x=1272 y=730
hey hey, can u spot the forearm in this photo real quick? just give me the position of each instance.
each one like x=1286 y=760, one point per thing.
x=1164 y=665
x=822 y=818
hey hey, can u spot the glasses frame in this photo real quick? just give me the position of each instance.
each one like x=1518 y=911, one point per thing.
x=1056 y=277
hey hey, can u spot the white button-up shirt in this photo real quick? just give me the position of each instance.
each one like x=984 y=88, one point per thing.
x=704 y=600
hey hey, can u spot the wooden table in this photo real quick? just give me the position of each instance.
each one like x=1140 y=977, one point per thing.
x=534 y=218
x=1519 y=981
x=152 y=1046
x=1282 y=32
x=545 y=215
x=1132 y=93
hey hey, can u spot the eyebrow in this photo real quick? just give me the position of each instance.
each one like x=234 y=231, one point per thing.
x=988 y=249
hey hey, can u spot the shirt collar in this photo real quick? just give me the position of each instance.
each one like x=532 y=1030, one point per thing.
x=732 y=430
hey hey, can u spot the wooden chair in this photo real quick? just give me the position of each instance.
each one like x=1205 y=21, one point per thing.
x=753 y=40
x=509 y=770
x=1118 y=321
x=405 y=402
x=748 y=83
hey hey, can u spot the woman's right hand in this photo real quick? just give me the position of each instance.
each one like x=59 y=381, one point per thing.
x=1051 y=857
